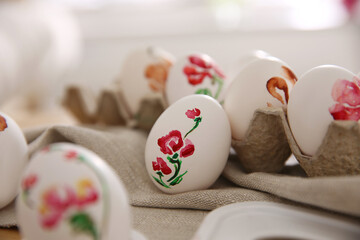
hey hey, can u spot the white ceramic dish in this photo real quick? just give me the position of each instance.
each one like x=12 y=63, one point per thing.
x=265 y=220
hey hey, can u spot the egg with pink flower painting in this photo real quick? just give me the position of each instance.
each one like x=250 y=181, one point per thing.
x=323 y=94
x=68 y=192
x=265 y=82
x=13 y=158
x=195 y=73
x=188 y=146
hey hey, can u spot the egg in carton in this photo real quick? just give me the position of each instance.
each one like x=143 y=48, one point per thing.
x=319 y=126
x=254 y=103
x=135 y=99
x=322 y=128
x=196 y=73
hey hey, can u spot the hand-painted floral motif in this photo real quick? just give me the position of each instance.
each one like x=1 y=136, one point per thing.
x=157 y=74
x=175 y=147
x=27 y=184
x=64 y=202
x=160 y=165
x=192 y=113
x=347 y=96
x=280 y=83
x=200 y=68
x=3 y=124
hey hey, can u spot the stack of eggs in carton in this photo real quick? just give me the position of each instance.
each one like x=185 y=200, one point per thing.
x=265 y=113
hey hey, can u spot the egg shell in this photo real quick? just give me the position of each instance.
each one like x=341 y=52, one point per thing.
x=68 y=192
x=195 y=73
x=249 y=91
x=245 y=59
x=308 y=109
x=13 y=158
x=144 y=72
x=203 y=162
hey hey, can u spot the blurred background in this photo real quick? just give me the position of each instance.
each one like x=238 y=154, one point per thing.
x=48 y=44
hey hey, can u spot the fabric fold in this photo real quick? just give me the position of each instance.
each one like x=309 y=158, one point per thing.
x=123 y=149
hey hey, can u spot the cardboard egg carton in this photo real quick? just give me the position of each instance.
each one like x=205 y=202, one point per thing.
x=110 y=108
x=269 y=142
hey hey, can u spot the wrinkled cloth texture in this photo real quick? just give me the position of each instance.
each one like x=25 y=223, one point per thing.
x=162 y=216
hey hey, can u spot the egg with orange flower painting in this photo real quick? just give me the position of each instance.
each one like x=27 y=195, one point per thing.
x=196 y=73
x=13 y=158
x=265 y=82
x=68 y=192
x=144 y=72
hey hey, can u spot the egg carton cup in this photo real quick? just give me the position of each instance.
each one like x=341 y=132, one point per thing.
x=265 y=147
x=110 y=108
x=338 y=154
x=269 y=142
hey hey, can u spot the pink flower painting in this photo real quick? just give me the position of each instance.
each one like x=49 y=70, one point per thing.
x=346 y=94
x=59 y=203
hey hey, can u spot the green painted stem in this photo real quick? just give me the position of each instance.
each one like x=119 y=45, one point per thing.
x=197 y=122
x=160 y=181
x=177 y=165
x=221 y=83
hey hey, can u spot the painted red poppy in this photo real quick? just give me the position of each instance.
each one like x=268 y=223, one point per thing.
x=29 y=182
x=188 y=150
x=160 y=165
x=171 y=143
x=71 y=154
x=193 y=113
x=194 y=76
x=199 y=69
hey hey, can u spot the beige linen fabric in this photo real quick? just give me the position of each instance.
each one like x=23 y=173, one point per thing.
x=162 y=216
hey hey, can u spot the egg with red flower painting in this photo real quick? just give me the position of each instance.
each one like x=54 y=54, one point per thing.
x=195 y=73
x=68 y=192
x=322 y=95
x=13 y=158
x=188 y=146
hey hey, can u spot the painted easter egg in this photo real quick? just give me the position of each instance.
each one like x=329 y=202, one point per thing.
x=243 y=60
x=188 y=145
x=13 y=158
x=195 y=74
x=68 y=192
x=323 y=94
x=144 y=72
x=261 y=83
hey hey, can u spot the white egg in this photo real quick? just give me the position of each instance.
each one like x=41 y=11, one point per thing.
x=321 y=92
x=195 y=73
x=68 y=192
x=188 y=146
x=13 y=158
x=261 y=83
x=144 y=72
x=245 y=59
